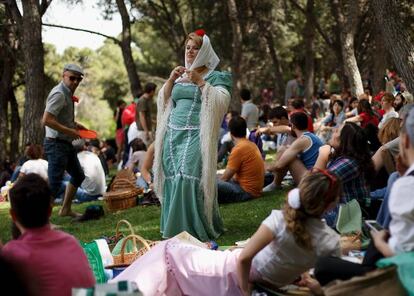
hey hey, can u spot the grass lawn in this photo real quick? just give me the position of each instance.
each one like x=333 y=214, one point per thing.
x=240 y=219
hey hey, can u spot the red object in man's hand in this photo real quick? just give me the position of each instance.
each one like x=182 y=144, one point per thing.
x=75 y=99
x=87 y=134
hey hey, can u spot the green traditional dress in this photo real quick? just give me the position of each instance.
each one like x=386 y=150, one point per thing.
x=183 y=197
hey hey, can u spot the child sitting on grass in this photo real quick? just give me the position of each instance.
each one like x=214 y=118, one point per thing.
x=285 y=245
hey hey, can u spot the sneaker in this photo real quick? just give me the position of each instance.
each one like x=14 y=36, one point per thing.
x=271 y=187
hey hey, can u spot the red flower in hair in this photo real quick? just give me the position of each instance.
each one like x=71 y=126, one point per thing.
x=200 y=32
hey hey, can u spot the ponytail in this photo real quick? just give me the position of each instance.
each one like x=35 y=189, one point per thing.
x=317 y=190
x=295 y=223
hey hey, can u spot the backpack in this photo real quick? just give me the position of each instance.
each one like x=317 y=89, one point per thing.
x=257 y=141
x=128 y=116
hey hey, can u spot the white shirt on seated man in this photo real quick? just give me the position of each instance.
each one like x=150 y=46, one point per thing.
x=401 y=201
x=94 y=184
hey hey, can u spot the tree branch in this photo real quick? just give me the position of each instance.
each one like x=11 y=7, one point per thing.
x=298 y=7
x=314 y=22
x=44 y=5
x=117 y=41
x=14 y=10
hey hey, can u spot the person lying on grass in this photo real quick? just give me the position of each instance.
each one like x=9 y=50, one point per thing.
x=286 y=244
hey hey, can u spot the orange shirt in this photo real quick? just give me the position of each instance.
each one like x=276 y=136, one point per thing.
x=246 y=160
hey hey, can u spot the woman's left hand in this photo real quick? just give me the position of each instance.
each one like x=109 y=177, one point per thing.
x=195 y=77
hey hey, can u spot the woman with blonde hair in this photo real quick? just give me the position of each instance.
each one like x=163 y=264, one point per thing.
x=191 y=106
x=286 y=245
x=390 y=130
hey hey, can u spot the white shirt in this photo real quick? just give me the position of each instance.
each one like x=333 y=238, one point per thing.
x=132 y=132
x=35 y=166
x=390 y=114
x=250 y=113
x=94 y=183
x=227 y=137
x=401 y=206
x=137 y=158
x=282 y=260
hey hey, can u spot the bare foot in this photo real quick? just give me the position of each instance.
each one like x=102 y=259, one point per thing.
x=70 y=213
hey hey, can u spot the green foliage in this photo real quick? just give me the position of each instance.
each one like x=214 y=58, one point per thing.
x=155 y=56
x=112 y=77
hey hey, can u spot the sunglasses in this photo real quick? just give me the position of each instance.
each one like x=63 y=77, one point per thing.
x=75 y=78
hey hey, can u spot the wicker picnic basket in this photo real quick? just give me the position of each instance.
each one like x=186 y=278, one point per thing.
x=119 y=234
x=140 y=247
x=123 y=260
x=123 y=192
x=126 y=174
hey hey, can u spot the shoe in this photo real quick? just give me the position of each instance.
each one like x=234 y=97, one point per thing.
x=149 y=198
x=271 y=187
x=92 y=212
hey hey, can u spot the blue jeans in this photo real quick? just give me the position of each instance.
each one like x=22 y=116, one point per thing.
x=16 y=173
x=61 y=157
x=231 y=191
x=140 y=182
x=81 y=195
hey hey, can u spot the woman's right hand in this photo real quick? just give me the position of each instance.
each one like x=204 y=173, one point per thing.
x=176 y=72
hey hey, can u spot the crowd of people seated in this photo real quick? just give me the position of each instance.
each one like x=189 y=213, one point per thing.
x=346 y=149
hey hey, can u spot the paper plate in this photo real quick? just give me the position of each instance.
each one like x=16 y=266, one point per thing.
x=87 y=134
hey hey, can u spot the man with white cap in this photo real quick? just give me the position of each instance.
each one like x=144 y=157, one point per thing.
x=61 y=130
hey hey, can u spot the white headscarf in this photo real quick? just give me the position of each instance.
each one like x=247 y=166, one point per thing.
x=205 y=57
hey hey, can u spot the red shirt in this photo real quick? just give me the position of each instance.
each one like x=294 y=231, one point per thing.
x=366 y=118
x=54 y=260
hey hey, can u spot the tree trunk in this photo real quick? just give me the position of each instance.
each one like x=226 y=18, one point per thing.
x=32 y=48
x=401 y=48
x=136 y=88
x=279 y=89
x=309 y=38
x=379 y=63
x=14 y=127
x=5 y=83
x=236 y=55
x=262 y=13
x=347 y=21
x=3 y=123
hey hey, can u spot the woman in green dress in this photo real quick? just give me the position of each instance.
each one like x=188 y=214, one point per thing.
x=191 y=105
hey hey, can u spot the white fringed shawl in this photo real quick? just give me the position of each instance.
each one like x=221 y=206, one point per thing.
x=215 y=101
